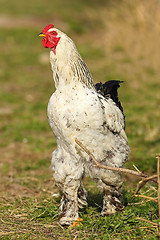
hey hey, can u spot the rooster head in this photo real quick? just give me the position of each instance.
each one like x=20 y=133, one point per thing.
x=50 y=37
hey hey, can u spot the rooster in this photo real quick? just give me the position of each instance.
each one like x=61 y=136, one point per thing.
x=78 y=109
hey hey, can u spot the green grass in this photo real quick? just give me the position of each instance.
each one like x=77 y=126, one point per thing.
x=34 y=218
x=27 y=208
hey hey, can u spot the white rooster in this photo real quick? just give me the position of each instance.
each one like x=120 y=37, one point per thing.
x=93 y=115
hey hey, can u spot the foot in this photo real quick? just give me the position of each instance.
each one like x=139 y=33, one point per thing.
x=69 y=211
x=111 y=205
x=78 y=222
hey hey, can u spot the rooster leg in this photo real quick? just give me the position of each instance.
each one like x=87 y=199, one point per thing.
x=82 y=196
x=68 y=177
x=74 y=197
x=111 y=201
x=69 y=208
x=110 y=184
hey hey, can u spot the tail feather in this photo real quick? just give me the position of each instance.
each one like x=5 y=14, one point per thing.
x=109 y=89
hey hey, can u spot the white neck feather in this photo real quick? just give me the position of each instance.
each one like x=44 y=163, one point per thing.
x=68 y=66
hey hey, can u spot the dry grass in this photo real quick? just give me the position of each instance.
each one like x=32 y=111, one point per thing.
x=131 y=37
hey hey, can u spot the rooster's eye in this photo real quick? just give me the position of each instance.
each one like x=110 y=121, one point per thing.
x=53 y=33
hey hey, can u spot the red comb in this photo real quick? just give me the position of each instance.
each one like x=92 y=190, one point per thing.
x=47 y=28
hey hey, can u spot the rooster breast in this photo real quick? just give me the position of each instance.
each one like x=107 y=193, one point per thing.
x=71 y=112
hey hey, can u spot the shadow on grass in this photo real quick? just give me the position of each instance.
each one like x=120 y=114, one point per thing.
x=95 y=199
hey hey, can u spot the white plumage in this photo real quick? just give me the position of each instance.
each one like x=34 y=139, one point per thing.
x=77 y=110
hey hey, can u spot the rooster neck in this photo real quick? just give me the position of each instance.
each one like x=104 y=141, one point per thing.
x=68 y=66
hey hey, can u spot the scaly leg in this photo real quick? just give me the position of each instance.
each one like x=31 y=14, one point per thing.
x=111 y=201
x=68 y=175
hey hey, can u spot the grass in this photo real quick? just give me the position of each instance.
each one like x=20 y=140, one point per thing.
x=35 y=218
x=117 y=41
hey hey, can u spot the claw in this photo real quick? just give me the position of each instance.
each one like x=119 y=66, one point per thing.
x=77 y=222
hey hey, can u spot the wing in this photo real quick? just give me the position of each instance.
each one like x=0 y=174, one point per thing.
x=114 y=118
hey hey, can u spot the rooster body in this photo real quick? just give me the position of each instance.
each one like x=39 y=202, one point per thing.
x=78 y=110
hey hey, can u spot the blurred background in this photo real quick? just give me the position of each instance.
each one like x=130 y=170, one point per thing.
x=117 y=40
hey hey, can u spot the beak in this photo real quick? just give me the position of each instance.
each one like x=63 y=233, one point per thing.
x=42 y=35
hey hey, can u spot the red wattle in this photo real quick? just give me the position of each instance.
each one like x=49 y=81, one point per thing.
x=49 y=42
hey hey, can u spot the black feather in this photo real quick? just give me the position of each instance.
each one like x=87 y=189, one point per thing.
x=109 y=89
